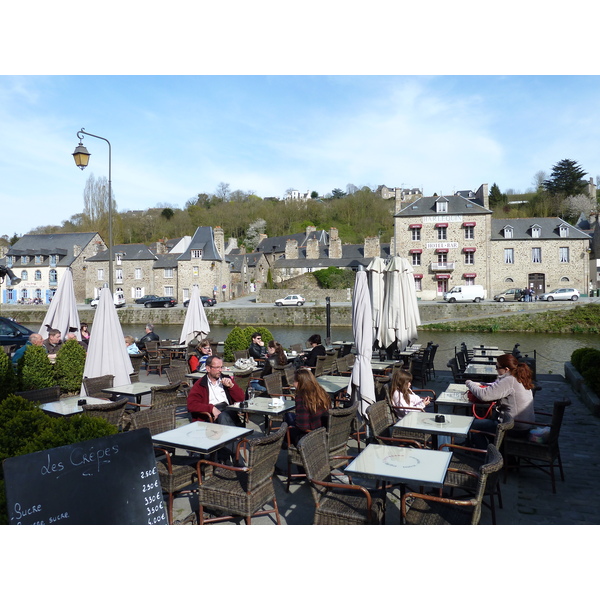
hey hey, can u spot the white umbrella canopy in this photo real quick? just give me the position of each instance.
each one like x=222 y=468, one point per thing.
x=412 y=316
x=107 y=353
x=195 y=323
x=362 y=328
x=62 y=313
x=375 y=272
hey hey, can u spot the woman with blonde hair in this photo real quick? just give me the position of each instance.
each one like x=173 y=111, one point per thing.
x=312 y=404
x=402 y=395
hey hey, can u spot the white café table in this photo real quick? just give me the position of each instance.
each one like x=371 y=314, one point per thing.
x=481 y=372
x=483 y=352
x=263 y=406
x=333 y=384
x=70 y=406
x=424 y=422
x=454 y=396
x=401 y=465
x=133 y=390
x=200 y=436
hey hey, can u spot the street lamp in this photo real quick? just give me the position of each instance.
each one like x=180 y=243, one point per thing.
x=82 y=158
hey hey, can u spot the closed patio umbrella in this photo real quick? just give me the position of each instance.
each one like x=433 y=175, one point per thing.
x=361 y=381
x=375 y=272
x=107 y=353
x=195 y=323
x=412 y=316
x=62 y=313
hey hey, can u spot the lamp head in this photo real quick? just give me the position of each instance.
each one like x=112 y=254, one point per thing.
x=5 y=271
x=81 y=156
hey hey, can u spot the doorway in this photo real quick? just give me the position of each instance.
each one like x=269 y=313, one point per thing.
x=537 y=282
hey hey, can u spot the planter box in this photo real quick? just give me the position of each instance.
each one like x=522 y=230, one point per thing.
x=587 y=396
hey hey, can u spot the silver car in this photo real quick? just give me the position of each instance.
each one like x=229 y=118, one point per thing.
x=561 y=294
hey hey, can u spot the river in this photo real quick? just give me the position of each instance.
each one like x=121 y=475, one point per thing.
x=551 y=350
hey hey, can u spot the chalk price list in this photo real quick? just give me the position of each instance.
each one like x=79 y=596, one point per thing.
x=153 y=500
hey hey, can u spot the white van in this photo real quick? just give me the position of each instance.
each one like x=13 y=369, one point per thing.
x=118 y=298
x=465 y=293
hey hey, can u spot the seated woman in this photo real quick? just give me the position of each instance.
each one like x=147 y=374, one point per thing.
x=310 y=358
x=402 y=395
x=513 y=388
x=131 y=345
x=312 y=404
x=198 y=362
x=275 y=357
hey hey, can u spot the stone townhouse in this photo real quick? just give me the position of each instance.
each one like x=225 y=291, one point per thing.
x=539 y=253
x=40 y=260
x=133 y=266
x=445 y=238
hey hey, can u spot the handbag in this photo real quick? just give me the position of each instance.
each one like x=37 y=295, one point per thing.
x=489 y=407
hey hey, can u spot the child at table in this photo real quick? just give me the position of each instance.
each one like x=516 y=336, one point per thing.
x=402 y=395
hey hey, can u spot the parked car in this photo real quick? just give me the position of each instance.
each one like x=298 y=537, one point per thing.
x=465 y=293
x=514 y=294
x=145 y=298
x=561 y=294
x=291 y=300
x=160 y=301
x=118 y=299
x=13 y=333
x=206 y=301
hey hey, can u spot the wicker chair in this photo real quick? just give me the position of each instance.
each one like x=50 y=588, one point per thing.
x=156 y=360
x=329 y=363
x=335 y=503
x=470 y=459
x=237 y=354
x=93 y=386
x=242 y=491
x=134 y=377
x=43 y=395
x=113 y=412
x=422 y=509
x=177 y=375
x=338 y=425
x=542 y=455
x=456 y=373
x=136 y=362
x=298 y=348
x=380 y=419
x=274 y=385
x=176 y=472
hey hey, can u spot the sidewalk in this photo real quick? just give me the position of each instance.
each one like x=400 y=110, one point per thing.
x=527 y=496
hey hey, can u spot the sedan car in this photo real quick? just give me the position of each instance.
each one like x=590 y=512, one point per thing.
x=290 y=300
x=13 y=333
x=145 y=298
x=206 y=301
x=160 y=301
x=515 y=294
x=561 y=294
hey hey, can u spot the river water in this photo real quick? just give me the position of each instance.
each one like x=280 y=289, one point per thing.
x=551 y=350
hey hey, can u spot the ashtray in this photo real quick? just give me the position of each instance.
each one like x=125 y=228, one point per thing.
x=81 y=401
x=440 y=419
x=243 y=404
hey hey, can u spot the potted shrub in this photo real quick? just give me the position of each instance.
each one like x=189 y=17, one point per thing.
x=70 y=362
x=8 y=378
x=35 y=371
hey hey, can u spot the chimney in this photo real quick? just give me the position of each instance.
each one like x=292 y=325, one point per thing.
x=372 y=247
x=335 y=244
x=291 y=249
x=219 y=237
x=312 y=249
x=310 y=229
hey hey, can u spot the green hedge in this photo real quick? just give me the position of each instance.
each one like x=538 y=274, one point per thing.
x=587 y=361
x=240 y=339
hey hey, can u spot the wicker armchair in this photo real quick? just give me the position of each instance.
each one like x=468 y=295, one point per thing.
x=462 y=360
x=176 y=472
x=93 y=386
x=155 y=359
x=275 y=387
x=177 y=374
x=335 y=503
x=43 y=395
x=112 y=412
x=381 y=421
x=542 y=455
x=136 y=362
x=338 y=425
x=457 y=375
x=470 y=459
x=242 y=491
x=237 y=354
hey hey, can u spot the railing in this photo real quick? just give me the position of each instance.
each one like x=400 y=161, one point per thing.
x=449 y=266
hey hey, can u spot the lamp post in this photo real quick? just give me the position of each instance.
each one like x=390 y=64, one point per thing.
x=82 y=158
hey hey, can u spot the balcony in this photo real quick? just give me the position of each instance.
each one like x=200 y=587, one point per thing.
x=442 y=267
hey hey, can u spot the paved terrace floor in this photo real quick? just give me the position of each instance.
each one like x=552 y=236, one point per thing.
x=527 y=496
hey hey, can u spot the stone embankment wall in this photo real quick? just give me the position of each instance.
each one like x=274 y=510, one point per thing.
x=310 y=295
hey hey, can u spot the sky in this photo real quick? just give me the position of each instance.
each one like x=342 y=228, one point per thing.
x=173 y=137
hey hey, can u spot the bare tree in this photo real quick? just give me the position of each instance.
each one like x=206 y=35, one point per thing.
x=223 y=192
x=538 y=180
x=95 y=204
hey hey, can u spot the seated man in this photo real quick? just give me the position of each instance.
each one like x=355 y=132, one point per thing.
x=35 y=339
x=149 y=337
x=214 y=393
x=257 y=349
x=53 y=342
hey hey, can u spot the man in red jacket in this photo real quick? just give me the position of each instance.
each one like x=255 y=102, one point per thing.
x=214 y=393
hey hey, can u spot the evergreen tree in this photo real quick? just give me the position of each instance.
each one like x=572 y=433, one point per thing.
x=566 y=179
x=496 y=197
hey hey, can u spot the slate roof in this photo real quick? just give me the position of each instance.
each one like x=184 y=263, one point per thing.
x=522 y=229
x=61 y=244
x=457 y=205
x=129 y=252
x=274 y=245
x=353 y=255
x=203 y=240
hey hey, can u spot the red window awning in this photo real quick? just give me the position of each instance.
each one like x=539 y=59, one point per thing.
x=415 y=251
x=469 y=224
x=418 y=276
x=469 y=249
x=442 y=276
x=415 y=226
x=470 y=275
x=441 y=250
x=441 y=225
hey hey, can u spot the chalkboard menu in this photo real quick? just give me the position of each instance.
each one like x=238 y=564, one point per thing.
x=107 y=481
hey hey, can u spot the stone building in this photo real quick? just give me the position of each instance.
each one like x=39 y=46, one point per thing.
x=40 y=260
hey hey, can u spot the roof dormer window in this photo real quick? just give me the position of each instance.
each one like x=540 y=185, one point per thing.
x=536 y=231
x=508 y=232
x=441 y=206
x=563 y=231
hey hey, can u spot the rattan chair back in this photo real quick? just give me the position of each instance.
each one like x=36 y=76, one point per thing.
x=136 y=361
x=274 y=384
x=176 y=374
x=93 y=386
x=314 y=455
x=339 y=425
x=112 y=412
x=43 y=395
x=237 y=354
x=164 y=395
x=156 y=420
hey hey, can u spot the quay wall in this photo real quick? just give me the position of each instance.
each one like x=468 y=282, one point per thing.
x=311 y=314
